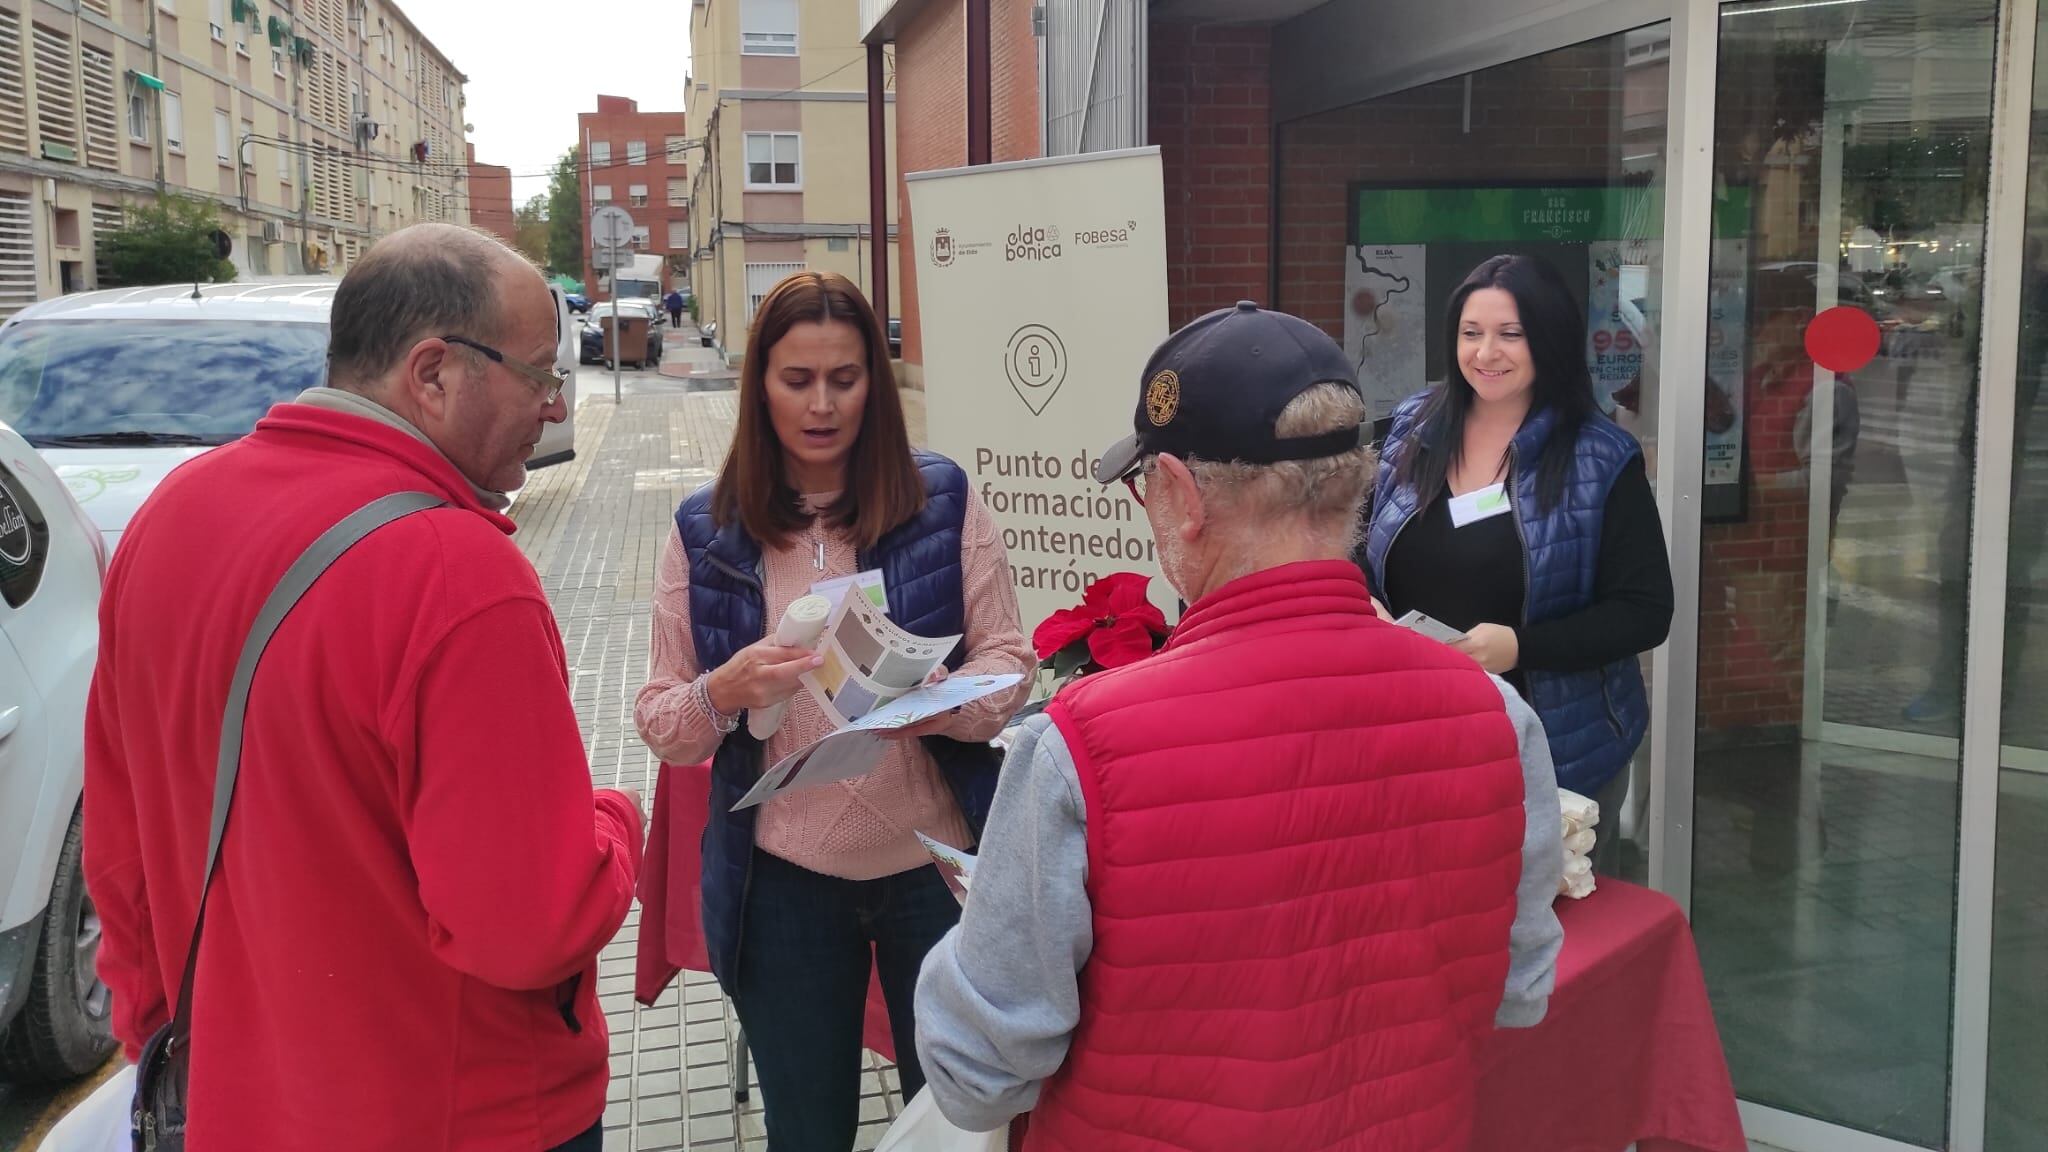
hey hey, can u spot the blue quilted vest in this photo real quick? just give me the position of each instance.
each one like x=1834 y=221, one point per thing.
x=920 y=561
x=1593 y=719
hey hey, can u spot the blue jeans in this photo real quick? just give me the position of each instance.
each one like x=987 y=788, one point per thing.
x=805 y=946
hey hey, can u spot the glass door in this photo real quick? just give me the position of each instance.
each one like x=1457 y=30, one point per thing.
x=2017 y=1109
x=1853 y=139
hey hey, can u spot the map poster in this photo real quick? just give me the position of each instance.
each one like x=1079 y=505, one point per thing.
x=1386 y=316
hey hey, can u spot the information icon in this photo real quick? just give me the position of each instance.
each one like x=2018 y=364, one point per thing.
x=1036 y=363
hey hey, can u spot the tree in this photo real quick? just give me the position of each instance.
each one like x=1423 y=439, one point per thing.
x=530 y=233
x=168 y=242
x=565 y=215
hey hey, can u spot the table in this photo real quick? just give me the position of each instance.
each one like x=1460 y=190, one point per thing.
x=1628 y=1051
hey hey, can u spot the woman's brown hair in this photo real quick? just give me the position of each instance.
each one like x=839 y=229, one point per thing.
x=883 y=487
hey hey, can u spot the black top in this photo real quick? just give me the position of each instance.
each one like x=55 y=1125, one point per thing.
x=1473 y=575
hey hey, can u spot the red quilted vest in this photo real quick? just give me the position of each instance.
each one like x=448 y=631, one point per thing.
x=1304 y=836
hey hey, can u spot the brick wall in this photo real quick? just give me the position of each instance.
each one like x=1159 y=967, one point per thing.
x=1210 y=97
x=931 y=115
x=1554 y=117
x=1017 y=125
x=490 y=199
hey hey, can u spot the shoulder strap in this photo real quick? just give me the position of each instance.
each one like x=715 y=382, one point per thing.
x=314 y=561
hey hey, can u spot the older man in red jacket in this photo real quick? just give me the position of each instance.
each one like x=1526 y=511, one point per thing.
x=1267 y=888
x=400 y=945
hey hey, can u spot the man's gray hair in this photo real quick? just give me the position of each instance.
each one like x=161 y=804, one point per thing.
x=1322 y=497
x=419 y=282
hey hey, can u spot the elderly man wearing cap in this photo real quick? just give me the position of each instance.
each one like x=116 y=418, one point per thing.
x=1268 y=888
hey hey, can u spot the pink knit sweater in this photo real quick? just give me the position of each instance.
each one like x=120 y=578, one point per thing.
x=859 y=829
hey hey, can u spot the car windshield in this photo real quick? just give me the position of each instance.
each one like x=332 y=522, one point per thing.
x=152 y=381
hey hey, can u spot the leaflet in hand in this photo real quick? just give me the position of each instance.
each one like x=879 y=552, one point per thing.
x=956 y=868
x=856 y=748
x=869 y=661
x=1433 y=628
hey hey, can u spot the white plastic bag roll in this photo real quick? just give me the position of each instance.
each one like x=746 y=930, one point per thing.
x=802 y=623
x=1580 y=812
x=921 y=1127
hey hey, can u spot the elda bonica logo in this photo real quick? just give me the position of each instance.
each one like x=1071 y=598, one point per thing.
x=1032 y=242
x=942 y=247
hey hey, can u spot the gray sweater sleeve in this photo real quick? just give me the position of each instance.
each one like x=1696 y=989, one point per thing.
x=1536 y=938
x=999 y=997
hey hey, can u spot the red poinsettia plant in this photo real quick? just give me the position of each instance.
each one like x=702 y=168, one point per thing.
x=1114 y=625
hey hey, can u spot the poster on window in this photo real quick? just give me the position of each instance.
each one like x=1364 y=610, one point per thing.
x=1386 y=319
x=1727 y=315
x=1617 y=326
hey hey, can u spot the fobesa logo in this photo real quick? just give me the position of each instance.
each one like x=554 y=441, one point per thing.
x=1026 y=242
x=1106 y=237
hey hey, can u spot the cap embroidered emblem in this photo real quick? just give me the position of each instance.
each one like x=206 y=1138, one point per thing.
x=1162 y=398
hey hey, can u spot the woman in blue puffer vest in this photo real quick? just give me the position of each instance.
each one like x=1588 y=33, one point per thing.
x=1509 y=508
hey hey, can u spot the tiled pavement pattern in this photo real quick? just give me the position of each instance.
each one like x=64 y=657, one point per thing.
x=594 y=529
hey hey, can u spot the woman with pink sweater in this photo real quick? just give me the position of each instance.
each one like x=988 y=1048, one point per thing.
x=802 y=893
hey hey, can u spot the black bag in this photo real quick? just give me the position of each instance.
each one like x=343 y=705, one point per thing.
x=157 y=1122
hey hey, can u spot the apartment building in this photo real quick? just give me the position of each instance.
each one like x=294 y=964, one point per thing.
x=314 y=126
x=778 y=89
x=490 y=198
x=638 y=161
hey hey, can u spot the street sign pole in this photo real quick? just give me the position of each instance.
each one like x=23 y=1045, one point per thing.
x=611 y=232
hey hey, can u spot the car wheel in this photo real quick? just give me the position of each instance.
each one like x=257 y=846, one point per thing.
x=65 y=1030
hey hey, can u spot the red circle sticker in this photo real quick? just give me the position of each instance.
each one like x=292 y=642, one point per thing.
x=1842 y=339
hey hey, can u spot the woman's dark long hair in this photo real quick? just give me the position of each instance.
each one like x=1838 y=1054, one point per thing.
x=1556 y=332
x=883 y=487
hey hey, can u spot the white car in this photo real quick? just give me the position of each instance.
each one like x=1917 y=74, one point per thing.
x=54 y=1020
x=116 y=388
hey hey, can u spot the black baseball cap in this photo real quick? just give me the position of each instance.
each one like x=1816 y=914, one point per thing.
x=1215 y=389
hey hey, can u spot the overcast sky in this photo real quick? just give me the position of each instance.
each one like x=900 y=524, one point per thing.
x=532 y=67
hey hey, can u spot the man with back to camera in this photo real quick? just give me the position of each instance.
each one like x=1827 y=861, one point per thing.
x=416 y=877
x=1269 y=887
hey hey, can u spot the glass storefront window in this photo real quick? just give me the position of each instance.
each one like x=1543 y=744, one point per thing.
x=1854 y=139
x=1386 y=205
x=2017 y=1114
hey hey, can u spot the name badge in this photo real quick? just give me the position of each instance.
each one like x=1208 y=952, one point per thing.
x=869 y=582
x=1478 y=505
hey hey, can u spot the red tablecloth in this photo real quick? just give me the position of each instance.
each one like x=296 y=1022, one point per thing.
x=671 y=913
x=1628 y=1052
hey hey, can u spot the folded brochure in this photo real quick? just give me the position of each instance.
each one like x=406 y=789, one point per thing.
x=1425 y=625
x=856 y=749
x=955 y=867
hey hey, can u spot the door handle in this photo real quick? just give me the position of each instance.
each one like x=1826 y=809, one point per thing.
x=9 y=721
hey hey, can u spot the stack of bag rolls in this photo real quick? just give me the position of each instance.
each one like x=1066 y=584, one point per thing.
x=1581 y=815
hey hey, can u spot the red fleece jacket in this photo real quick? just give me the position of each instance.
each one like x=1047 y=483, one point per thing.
x=400 y=949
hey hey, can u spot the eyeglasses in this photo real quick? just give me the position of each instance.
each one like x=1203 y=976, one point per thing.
x=550 y=381
x=1131 y=480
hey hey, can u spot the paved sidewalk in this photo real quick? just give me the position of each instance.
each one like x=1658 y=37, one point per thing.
x=594 y=529
x=684 y=357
